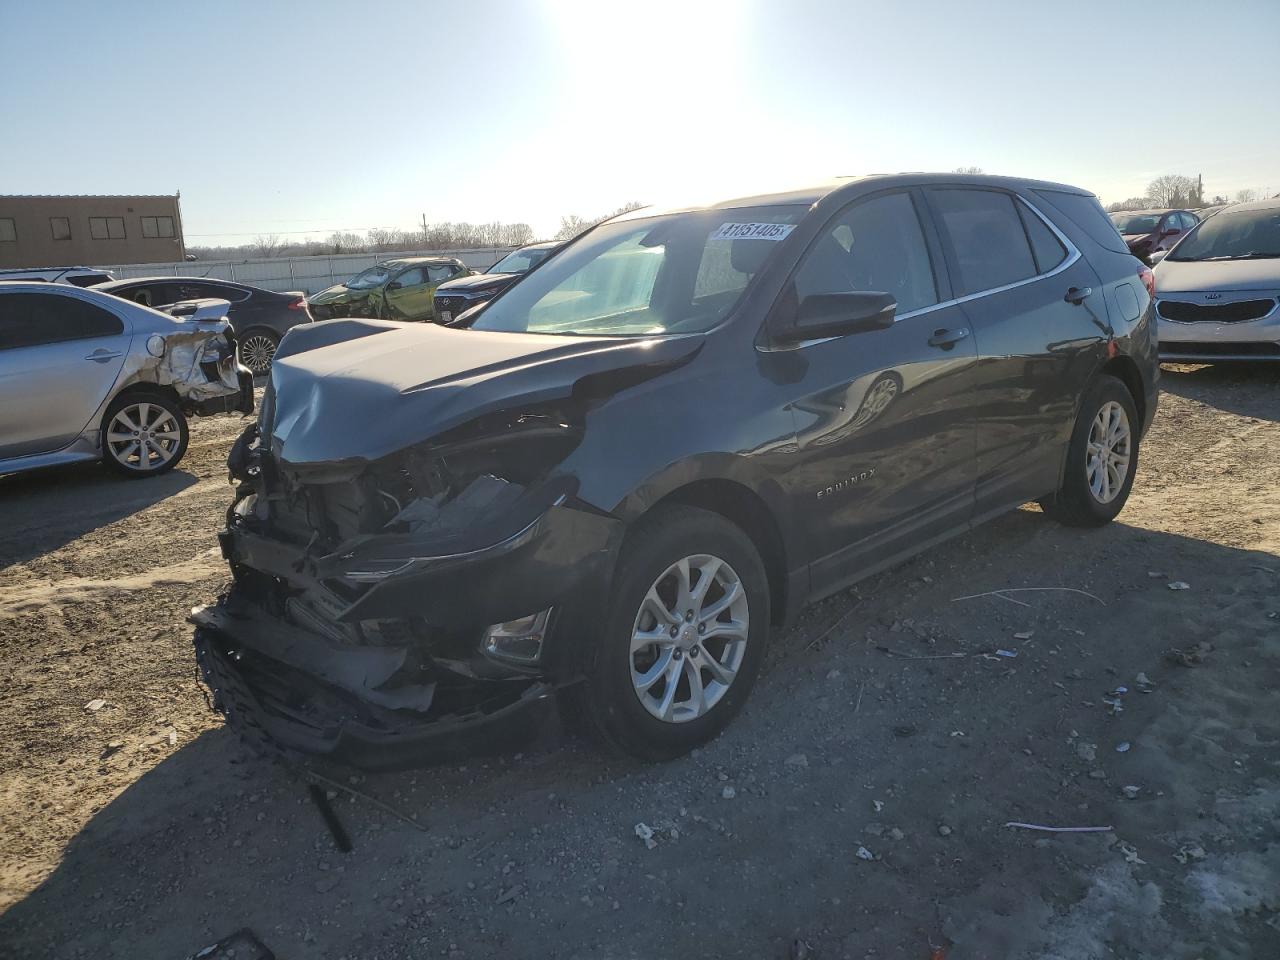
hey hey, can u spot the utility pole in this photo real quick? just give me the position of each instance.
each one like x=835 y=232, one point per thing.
x=424 y=230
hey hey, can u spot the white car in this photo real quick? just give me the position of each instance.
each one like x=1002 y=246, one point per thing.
x=1218 y=290
x=76 y=276
x=87 y=376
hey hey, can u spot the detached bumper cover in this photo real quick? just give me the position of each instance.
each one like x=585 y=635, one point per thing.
x=298 y=710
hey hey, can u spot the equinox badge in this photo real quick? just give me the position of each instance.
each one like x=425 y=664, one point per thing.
x=847 y=482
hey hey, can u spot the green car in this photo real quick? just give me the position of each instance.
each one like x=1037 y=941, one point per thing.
x=400 y=289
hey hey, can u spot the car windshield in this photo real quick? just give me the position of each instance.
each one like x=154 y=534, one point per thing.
x=679 y=273
x=1136 y=222
x=1233 y=235
x=375 y=276
x=520 y=261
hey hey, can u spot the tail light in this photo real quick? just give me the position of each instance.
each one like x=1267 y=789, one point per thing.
x=298 y=303
x=1148 y=280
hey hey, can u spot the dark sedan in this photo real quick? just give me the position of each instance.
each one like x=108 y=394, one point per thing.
x=1152 y=231
x=454 y=297
x=259 y=317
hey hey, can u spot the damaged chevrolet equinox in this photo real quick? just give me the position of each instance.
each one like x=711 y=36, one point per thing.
x=609 y=486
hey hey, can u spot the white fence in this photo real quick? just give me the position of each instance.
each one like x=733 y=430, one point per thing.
x=308 y=274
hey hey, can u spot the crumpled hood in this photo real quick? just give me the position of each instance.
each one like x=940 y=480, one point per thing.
x=479 y=281
x=338 y=293
x=353 y=391
x=1192 y=276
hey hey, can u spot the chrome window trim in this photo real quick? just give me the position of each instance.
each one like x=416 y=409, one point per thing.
x=1072 y=256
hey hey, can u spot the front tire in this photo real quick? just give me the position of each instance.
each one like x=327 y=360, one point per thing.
x=1102 y=458
x=684 y=637
x=144 y=434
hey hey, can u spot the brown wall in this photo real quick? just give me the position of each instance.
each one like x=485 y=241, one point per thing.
x=35 y=246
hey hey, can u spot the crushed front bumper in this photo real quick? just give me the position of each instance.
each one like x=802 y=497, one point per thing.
x=391 y=672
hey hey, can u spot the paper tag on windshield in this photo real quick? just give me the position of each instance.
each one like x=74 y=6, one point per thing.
x=752 y=231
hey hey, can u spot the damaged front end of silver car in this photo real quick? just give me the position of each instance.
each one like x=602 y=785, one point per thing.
x=394 y=609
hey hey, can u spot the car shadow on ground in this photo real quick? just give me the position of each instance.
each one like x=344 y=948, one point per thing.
x=43 y=510
x=214 y=838
x=1239 y=387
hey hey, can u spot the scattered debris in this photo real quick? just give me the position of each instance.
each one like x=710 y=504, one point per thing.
x=380 y=804
x=341 y=839
x=865 y=854
x=800 y=950
x=1007 y=653
x=112 y=748
x=878 y=805
x=1178 y=585
x=728 y=793
x=1130 y=792
x=1036 y=826
x=905 y=730
x=796 y=760
x=1006 y=590
x=1188 y=852
x=1097 y=774
x=911 y=656
x=1156 y=575
x=1189 y=656
x=1143 y=683
x=645 y=832
x=1087 y=752
x=1024 y=635
x=227 y=947
x=1130 y=852
x=896 y=834
x=511 y=893
x=1123 y=746
x=93 y=706
x=944 y=830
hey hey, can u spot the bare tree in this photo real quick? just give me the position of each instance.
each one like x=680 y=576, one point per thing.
x=572 y=225
x=1172 y=190
x=968 y=170
x=267 y=245
x=518 y=234
x=344 y=241
x=1246 y=195
x=1133 y=203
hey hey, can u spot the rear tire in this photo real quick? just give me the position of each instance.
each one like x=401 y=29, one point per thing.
x=669 y=675
x=257 y=350
x=1102 y=458
x=144 y=434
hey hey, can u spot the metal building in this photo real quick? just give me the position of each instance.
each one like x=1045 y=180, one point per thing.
x=57 y=231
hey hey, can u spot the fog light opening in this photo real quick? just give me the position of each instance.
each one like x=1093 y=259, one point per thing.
x=517 y=641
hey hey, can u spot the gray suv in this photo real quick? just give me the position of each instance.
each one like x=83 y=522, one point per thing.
x=616 y=479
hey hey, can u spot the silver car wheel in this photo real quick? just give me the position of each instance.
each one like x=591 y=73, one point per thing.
x=1107 y=457
x=689 y=638
x=143 y=436
x=256 y=352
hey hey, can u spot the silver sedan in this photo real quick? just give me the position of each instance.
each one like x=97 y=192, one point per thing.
x=86 y=376
x=1218 y=290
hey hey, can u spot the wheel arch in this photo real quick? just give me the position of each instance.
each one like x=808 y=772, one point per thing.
x=1124 y=369
x=748 y=511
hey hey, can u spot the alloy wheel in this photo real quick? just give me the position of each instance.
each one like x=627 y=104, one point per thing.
x=143 y=436
x=689 y=638
x=1108 y=452
x=256 y=352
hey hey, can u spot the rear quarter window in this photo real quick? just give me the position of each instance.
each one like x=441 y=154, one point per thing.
x=1087 y=214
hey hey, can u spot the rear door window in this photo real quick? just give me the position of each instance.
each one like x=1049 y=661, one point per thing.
x=874 y=245
x=987 y=238
x=33 y=319
x=413 y=277
x=1045 y=246
x=441 y=273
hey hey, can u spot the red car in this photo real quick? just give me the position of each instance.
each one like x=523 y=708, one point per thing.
x=1149 y=231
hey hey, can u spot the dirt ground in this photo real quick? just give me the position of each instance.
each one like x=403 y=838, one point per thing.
x=859 y=805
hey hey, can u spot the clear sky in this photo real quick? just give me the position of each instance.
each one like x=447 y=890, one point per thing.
x=275 y=117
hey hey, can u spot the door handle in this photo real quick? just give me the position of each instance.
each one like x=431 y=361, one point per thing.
x=946 y=339
x=102 y=356
x=1077 y=295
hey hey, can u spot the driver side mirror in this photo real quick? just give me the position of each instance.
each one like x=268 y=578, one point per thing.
x=838 y=314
